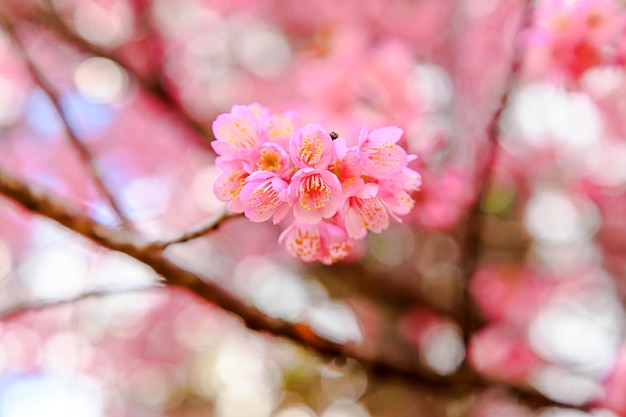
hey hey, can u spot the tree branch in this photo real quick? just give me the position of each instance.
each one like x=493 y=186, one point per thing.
x=52 y=206
x=27 y=306
x=194 y=234
x=471 y=246
x=55 y=98
x=153 y=85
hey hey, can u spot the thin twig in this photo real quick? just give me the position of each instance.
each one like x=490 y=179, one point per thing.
x=197 y=233
x=152 y=84
x=55 y=98
x=475 y=222
x=28 y=306
x=52 y=206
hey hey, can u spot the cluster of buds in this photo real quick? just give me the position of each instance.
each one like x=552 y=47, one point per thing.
x=273 y=168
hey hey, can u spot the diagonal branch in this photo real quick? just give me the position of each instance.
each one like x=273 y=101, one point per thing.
x=55 y=98
x=27 y=306
x=52 y=206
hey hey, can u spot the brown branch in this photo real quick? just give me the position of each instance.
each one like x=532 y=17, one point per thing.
x=53 y=95
x=195 y=234
x=50 y=205
x=154 y=85
x=28 y=306
x=471 y=246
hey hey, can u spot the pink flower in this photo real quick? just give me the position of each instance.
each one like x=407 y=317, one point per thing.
x=264 y=196
x=270 y=157
x=396 y=192
x=311 y=147
x=380 y=156
x=363 y=214
x=336 y=193
x=314 y=194
x=279 y=128
x=347 y=167
x=324 y=241
x=235 y=132
x=228 y=186
x=573 y=36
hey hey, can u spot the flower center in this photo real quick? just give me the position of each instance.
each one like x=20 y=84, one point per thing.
x=269 y=160
x=314 y=193
x=310 y=151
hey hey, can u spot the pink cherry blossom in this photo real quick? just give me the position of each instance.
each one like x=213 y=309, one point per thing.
x=311 y=147
x=335 y=193
x=396 y=192
x=269 y=157
x=264 y=196
x=363 y=214
x=279 y=128
x=228 y=185
x=314 y=194
x=235 y=132
x=347 y=167
x=381 y=157
x=324 y=241
x=571 y=37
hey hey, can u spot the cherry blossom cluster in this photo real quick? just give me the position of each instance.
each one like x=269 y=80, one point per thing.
x=573 y=36
x=274 y=168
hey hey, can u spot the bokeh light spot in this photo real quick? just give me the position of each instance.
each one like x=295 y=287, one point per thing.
x=100 y=79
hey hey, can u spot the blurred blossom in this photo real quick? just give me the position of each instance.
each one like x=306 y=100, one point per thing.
x=104 y=24
x=334 y=321
x=273 y=288
x=43 y=395
x=230 y=88
x=479 y=8
x=438 y=341
x=443 y=349
x=556 y=217
x=296 y=411
x=434 y=85
x=501 y=352
x=11 y=98
x=116 y=270
x=392 y=247
x=496 y=403
x=20 y=349
x=505 y=292
x=564 y=386
x=565 y=257
x=601 y=82
x=56 y=272
x=153 y=387
x=345 y=408
x=206 y=201
x=198 y=327
x=247 y=383
x=582 y=331
x=6 y=262
x=562 y=412
x=100 y=79
x=605 y=166
x=550 y=281
x=542 y=115
x=179 y=17
x=263 y=50
x=147 y=197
